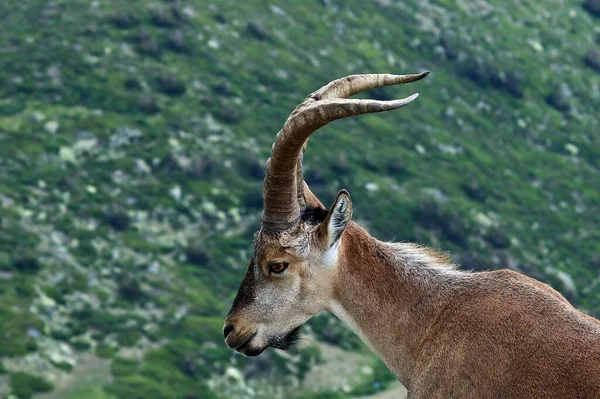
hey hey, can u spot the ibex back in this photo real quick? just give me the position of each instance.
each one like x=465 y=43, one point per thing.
x=445 y=333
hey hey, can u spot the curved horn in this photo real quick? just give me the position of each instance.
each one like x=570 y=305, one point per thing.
x=306 y=198
x=354 y=84
x=283 y=180
x=302 y=202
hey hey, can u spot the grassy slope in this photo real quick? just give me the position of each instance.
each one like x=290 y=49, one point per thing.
x=133 y=134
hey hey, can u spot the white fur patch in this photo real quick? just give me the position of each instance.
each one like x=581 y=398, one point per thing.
x=413 y=256
x=331 y=255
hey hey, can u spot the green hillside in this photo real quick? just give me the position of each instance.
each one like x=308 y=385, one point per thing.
x=133 y=136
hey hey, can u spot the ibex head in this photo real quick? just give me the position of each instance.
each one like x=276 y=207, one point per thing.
x=290 y=277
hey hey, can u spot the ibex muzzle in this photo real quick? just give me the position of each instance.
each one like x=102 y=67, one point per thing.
x=444 y=332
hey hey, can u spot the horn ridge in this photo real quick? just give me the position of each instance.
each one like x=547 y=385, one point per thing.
x=284 y=188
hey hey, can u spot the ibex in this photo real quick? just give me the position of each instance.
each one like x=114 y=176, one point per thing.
x=444 y=332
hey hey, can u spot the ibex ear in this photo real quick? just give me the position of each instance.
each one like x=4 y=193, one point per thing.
x=337 y=219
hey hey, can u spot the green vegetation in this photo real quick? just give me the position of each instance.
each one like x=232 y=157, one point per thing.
x=24 y=385
x=132 y=143
x=122 y=367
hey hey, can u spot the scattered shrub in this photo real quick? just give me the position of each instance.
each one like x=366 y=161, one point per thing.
x=397 y=169
x=331 y=330
x=229 y=114
x=454 y=229
x=64 y=366
x=147 y=44
x=177 y=12
x=11 y=107
x=121 y=367
x=223 y=88
x=98 y=335
x=24 y=286
x=25 y=385
x=473 y=261
x=142 y=386
x=201 y=329
x=171 y=85
x=176 y=42
x=380 y=378
x=147 y=104
x=308 y=357
x=430 y=215
x=220 y=18
x=76 y=328
x=560 y=98
x=196 y=254
x=98 y=319
x=257 y=31
x=128 y=338
x=380 y=93
x=163 y=17
x=254 y=199
x=371 y=163
x=201 y=167
x=487 y=74
x=474 y=190
x=61 y=334
x=188 y=364
x=250 y=166
x=341 y=166
x=592 y=59
x=105 y=351
x=26 y=263
x=136 y=386
x=124 y=21
x=81 y=344
x=595 y=263
x=132 y=83
x=511 y=82
x=90 y=30
x=5 y=261
x=118 y=219
x=129 y=288
x=321 y=395
x=450 y=48
x=315 y=176
x=593 y=7
x=498 y=239
x=215 y=357
x=13 y=339
x=477 y=71
x=161 y=370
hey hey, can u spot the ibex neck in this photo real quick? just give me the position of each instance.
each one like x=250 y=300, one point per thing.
x=390 y=295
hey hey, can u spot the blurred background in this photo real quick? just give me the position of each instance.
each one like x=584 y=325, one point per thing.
x=133 y=136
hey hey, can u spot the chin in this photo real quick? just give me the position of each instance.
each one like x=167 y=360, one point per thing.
x=283 y=342
x=251 y=351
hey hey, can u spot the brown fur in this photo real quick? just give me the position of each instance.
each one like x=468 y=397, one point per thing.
x=483 y=335
x=445 y=333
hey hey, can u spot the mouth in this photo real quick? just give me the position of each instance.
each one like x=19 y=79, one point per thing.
x=246 y=350
x=282 y=342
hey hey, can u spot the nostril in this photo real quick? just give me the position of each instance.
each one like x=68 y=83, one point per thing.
x=227 y=330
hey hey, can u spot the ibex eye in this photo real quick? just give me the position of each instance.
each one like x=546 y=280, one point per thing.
x=278 y=267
